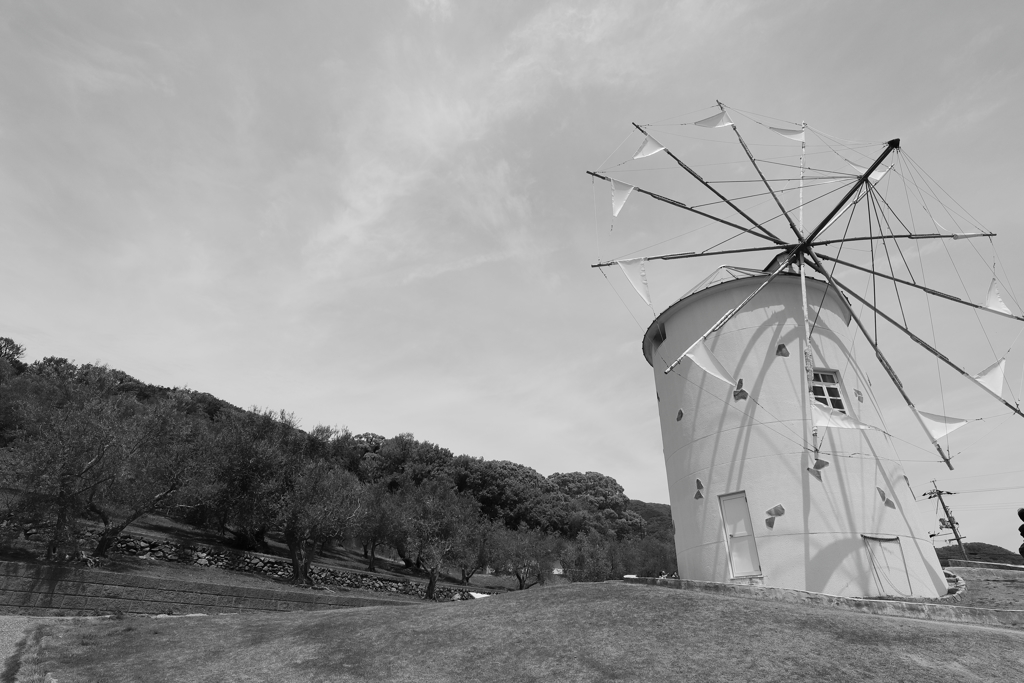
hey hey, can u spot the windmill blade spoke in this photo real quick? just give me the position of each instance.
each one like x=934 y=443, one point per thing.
x=820 y=267
x=695 y=254
x=929 y=290
x=681 y=205
x=718 y=194
x=826 y=221
x=757 y=168
x=928 y=236
x=921 y=342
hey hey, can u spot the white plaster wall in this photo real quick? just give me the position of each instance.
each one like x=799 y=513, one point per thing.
x=757 y=446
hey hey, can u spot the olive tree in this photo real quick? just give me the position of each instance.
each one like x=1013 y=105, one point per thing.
x=526 y=554
x=316 y=498
x=170 y=451
x=379 y=521
x=438 y=522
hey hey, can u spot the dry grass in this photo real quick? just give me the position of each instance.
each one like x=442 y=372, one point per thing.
x=583 y=632
x=993 y=591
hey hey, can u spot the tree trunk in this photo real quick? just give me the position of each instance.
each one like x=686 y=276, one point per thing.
x=431 y=583
x=63 y=503
x=309 y=552
x=112 y=531
x=467 y=575
x=373 y=557
x=365 y=546
x=298 y=552
x=104 y=544
x=58 y=527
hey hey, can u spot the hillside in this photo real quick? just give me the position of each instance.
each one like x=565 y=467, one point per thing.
x=251 y=477
x=980 y=552
x=658 y=518
x=572 y=633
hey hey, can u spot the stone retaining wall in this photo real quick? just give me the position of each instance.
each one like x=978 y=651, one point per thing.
x=985 y=565
x=280 y=568
x=52 y=590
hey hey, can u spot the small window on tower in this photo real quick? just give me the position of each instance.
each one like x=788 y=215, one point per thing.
x=825 y=388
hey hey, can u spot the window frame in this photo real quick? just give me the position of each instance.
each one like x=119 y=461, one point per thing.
x=840 y=396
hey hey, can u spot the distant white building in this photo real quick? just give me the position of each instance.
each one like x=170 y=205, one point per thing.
x=750 y=501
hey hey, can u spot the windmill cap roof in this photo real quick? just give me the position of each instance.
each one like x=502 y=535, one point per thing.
x=725 y=277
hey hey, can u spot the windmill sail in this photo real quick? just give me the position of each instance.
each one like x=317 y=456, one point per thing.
x=635 y=270
x=994 y=301
x=648 y=147
x=992 y=377
x=620 y=193
x=701 y=355
x=940 y=425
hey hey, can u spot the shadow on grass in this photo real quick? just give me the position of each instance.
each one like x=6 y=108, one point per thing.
x=13 y=663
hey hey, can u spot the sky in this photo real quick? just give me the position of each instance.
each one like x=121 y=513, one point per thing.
x=376 y=215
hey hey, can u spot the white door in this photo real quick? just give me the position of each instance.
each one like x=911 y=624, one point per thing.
x=888 y=565
x=739 y=534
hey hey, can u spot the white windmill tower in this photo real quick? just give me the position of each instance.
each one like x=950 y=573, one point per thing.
x=780 y=471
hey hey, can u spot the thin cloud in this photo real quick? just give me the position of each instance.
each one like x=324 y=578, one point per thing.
x=433 y=116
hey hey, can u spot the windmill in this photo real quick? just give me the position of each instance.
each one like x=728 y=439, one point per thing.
x=802 y=439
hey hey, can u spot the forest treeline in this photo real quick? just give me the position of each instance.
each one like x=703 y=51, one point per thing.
x=87 y=442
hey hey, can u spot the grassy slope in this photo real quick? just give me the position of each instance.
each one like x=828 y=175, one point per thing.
x=583 y=632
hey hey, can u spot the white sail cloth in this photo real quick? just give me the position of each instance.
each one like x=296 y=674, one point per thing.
x=939 y=425
x=992 y=377
x=635 y=270
x=994 y=301
x=876 y=175
x=650 y=146
x=620 y=193
x=716 y=121
x=797 y=135
x=829 y=418
x=701 y=355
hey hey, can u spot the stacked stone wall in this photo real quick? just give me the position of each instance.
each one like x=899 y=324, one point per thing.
x=279 y=568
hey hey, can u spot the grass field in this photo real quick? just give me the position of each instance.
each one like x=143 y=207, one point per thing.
x=581 y=632
x=1003 y=591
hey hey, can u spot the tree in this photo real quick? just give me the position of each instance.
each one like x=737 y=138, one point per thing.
x=240 y=496
x=170 y=450
x=525 y=553
x=62 y=455
x=379 y=520
x=12 y=352
x=473 y=552
x=75 y=432
x=320 y=501
x=512 y=493
x=587 y=557
x=648 y=556
x=438 y=521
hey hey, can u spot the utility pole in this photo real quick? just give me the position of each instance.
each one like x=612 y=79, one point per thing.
x=936 y=493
